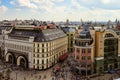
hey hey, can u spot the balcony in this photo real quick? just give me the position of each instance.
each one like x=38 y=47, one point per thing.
x=86 y=39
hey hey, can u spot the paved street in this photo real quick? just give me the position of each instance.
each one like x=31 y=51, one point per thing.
x=40 y=75
x=63 y=74
x=47 y=75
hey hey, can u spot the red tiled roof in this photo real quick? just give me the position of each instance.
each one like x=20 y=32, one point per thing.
x=51 y=26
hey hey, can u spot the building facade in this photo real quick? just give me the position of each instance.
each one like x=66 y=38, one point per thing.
x=4 y=30
x=35 y=48
x=84 y=49
x=98 y=51
x=71 y=35
x=107 y=50
x=70 y=32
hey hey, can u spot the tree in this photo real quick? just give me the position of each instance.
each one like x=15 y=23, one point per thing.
x=8 y=72
x=1 y=75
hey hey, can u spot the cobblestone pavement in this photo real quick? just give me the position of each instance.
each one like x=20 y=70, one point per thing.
x=47 y=75
x=31 y=75
x=40 y=75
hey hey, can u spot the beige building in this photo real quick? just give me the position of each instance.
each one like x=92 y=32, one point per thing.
x=35 y=48
x=4 y=30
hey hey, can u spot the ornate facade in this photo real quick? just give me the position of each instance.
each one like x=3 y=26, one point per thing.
x=35 y=48
x=98 y=51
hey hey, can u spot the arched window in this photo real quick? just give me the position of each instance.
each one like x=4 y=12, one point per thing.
x=109 y=35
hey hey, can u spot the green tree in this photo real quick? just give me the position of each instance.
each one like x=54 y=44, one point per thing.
x=8 y=72
x=1 y=75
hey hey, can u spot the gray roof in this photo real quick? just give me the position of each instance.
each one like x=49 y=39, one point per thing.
x=5 y=27
x=40 y=35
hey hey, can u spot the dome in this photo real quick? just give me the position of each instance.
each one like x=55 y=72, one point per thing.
x=84 y=34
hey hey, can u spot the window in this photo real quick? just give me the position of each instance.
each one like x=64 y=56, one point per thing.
x=47 y=61
x=83 y=57
x=37 y=61
x=42 y=55
x=89 y=50
x=37 y=50
x=46 y=44
x=42 y=45
x=89 y=57
x=33 y=66
x=71 y=34
x=77 y=57
x=71 y=43
x=37 y=55
x=37 y=67
x=38 y=45
x=34 y=45
x=34 y=61
x=83 y=50
x=78 y=50
x=42 y=50
x=42 y=61
x=33 y=55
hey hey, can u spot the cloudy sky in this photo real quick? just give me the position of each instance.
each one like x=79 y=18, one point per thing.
x=60 y=10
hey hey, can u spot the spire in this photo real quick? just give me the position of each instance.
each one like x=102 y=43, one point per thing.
x=67 y=22
x=81 y=22
x=116 y=20
x=118 y=25
x=108 y=24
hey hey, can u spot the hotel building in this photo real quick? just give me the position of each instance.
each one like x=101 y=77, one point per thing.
x=35 y=47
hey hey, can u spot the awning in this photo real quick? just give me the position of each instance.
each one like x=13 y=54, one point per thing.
x=111 y=71
x=58 y=68
x=63 y=57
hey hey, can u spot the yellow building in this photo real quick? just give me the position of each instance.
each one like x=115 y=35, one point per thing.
x=70 y=41
x=70 y=34
x=107 y=54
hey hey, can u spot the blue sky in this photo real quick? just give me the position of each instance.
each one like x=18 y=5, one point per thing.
x=60 y=10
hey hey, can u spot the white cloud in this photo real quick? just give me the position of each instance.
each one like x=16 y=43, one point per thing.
x=27 y=3
x=3 y=9
x=52 y=10
x=104 y=4
x=57 y=0
x=46 y=5
x=18 y=9
x=106 y=1
x=24 y=3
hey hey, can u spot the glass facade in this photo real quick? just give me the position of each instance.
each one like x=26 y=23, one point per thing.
x=110 y=54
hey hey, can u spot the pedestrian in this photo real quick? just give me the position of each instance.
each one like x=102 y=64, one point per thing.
x=40 y=77
x=24 y=78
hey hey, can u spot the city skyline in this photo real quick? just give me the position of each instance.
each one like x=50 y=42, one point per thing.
x=60 y=10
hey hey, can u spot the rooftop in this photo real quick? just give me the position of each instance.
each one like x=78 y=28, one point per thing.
x=39 y=35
